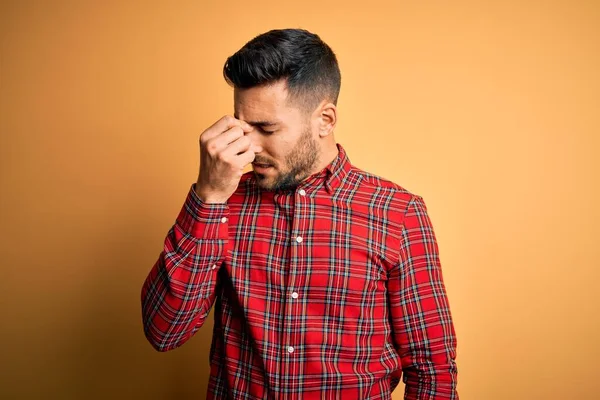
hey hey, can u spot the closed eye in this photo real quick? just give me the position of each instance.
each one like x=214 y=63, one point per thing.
x=265 y=131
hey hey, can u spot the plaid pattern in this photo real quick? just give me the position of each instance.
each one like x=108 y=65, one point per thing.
x=327 y=292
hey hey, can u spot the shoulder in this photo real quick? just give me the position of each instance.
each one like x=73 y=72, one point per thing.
x=381 y=188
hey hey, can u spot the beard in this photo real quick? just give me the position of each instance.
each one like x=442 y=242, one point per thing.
x=299 y=162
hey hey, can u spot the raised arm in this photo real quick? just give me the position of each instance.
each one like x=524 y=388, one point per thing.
x=179 y=291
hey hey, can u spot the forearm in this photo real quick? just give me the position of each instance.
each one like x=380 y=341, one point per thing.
x=179 y=291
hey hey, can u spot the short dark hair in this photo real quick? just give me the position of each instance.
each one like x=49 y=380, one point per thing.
x=307 y=63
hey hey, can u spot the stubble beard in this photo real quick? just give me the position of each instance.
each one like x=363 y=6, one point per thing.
x=300 y=162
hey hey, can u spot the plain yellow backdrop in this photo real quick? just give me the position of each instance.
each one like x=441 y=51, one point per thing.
x=487 y=109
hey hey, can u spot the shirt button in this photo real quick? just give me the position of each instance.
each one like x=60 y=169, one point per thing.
x=294 y=295
x=302 y=192
x=224 y=219
x=290 y=349
x=299 y=239
x=214 y=266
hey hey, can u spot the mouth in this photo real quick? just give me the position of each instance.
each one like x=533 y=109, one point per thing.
x=261 y=167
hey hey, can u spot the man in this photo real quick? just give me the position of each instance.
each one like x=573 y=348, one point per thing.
x=326 y=279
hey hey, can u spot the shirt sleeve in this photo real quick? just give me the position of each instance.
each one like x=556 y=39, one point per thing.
x=421 y=321
x=179 y=290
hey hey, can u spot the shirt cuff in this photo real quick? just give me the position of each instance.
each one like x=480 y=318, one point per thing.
x=203 y=220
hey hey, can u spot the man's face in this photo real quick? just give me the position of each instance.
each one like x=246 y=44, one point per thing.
x=286 y=133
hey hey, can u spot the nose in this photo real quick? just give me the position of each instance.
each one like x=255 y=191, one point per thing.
x=256 y=140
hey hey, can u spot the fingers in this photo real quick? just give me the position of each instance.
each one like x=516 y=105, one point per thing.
x=240 y=145
x=231 y=135
x=225 y=150
x=226 y=140
x=246 y=126
x=224 y=124
x=246 y=158
x=220 y=142
x=242 y=151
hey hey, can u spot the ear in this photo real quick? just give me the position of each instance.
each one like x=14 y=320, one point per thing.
x=326 y=118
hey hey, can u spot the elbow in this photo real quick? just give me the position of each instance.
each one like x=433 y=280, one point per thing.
x=163 y=340
x=160 y=342
x=154 y=337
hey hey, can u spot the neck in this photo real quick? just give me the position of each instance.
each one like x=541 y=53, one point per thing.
x=328 y=154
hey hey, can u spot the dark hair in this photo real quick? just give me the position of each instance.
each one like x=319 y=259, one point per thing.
x=297 y=55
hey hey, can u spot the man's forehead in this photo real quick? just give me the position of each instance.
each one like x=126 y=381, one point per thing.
x=262 y=103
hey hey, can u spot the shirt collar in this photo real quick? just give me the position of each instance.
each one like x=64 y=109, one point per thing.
x=332 y=175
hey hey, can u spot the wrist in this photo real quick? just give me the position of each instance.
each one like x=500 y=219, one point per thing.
x=208 y=197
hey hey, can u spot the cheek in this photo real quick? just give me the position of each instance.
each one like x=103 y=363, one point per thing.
x=271 y=153
x=276 y=149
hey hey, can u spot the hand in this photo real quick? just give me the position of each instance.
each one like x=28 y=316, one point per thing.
x=224 y=152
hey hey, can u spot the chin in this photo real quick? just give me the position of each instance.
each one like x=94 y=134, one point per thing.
x=263 y=181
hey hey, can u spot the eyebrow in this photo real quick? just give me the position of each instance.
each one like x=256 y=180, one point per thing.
x=261 y=124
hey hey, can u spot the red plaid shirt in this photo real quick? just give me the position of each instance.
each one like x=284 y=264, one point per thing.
x=327 y=292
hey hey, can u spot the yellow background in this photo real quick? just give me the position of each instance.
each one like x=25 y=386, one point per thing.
x=489 y=110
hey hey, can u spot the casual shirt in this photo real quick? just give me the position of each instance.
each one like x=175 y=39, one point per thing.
x=333 y=290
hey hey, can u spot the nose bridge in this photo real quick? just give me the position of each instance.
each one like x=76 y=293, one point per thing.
x=255 y=137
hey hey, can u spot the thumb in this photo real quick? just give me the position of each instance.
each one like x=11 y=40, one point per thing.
x=246 y=127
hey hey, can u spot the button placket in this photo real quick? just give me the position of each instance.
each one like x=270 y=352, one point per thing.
x=293 y=308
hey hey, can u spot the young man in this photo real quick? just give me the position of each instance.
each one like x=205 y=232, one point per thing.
x=326 y=280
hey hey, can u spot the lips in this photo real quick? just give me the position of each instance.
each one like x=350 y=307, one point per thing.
x=261 y=165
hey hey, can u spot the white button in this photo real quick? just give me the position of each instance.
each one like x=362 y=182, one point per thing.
x=294 y=295
x=224 y=219
x=290 y=349
x=299 y=239
x=214 y=266
x=302 y=192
